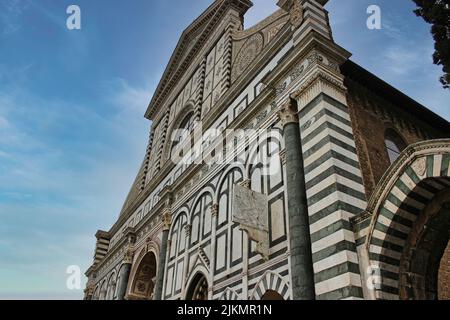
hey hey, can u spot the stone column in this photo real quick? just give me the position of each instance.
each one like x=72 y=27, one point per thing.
x=125 y=269
x=299 y=232
x=188 y=229
x=245 y=250
x=167 y=220
x=123 y=283
x=214 y=214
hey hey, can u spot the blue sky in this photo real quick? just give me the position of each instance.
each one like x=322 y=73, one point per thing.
x=72 y=132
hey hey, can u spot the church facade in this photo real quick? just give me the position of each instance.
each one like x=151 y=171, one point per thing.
x=277 y=168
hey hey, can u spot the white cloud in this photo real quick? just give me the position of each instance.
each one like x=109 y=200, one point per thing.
x=402 y=60
x=4 y=123
x=63 y=181
x=11 y=12
x=129 y=98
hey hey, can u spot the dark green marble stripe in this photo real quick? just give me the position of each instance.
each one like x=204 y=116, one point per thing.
x=387 y=245
x=403 y=206
x=326 y=140
x=338 y=205
x=333 y=170
x=334 y=249
x=324 y=126
x=430 y=165
x=329 y=230
x=317 y=100
x=335 y=187
x=342 y=293
x=335 y=271
x=396 y=218
x=445 y=164
x=391 y=231
x=383 y=258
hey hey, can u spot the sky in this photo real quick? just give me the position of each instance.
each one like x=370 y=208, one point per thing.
x=72 y=104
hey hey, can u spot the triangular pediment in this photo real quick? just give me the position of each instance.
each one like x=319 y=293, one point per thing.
x=191 y=43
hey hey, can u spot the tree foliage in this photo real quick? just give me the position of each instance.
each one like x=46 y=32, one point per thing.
x=437 y=13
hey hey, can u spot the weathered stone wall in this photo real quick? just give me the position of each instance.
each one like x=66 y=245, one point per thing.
x=371 y=116
x=444 y=276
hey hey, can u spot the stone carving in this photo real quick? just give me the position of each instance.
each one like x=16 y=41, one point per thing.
x=129 y=255
x=214 y=210
x=315 y=58
x=296 y=14
x=298 y=70
x=245 y=184
x=420 y=166
x=251 y=211
x=249 y=51
x=166 y=218
x=273 y=32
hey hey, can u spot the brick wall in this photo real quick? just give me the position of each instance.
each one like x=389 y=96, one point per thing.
x=444 y=276
x=371 y=117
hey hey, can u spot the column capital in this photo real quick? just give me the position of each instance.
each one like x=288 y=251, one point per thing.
x=288 y=113
x=128 y=255
x=166 y=218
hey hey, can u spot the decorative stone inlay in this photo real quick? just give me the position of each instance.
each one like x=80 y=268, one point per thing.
x=249 y=51
x=420 y=166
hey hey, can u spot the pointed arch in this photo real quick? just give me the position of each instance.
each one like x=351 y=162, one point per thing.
x=273 y=282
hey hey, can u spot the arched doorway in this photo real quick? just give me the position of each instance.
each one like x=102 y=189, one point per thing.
x=423 y=264
x=410 y=225
x=144 y=280
x=271 y=295
x=198 y=289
